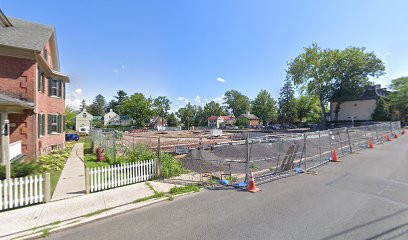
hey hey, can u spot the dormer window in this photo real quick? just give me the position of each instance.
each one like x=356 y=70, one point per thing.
x=84 y=115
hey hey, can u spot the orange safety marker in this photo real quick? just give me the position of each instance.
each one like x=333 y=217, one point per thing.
x=370 y=143
x=403 y=131
x=395 y=135
x=335 y=158
x=252 y=186
x=387 y=138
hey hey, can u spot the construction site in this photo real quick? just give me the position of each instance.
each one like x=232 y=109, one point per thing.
x=232 y=155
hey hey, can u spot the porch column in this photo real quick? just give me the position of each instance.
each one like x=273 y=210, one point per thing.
x=5 y=142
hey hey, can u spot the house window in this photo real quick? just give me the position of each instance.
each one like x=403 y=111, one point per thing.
x=41 y=80
x=41 y=125
x=55 y=87
x=84 y=115
x=55 y=123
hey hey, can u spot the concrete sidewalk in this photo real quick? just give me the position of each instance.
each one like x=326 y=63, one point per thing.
x=23 y=220
x=72 y=180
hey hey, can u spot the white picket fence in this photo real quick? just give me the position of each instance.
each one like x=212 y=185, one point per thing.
x=18 y=192
x=106 y=177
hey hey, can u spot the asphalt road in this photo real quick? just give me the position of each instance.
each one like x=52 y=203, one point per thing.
x=363 y=197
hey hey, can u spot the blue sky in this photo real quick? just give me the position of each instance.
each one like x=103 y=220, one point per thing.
x=182 y=49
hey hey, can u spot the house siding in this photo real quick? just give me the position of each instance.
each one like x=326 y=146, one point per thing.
x=361 y=109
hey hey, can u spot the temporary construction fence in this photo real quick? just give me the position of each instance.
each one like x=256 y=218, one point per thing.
x=102 y=178
x=24 y=191
x=268 y=156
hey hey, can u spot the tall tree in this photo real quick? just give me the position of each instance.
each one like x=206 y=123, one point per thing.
x=213 y=109
x=200 y=118
x=97 y=108
x=138 y=108
x=312 y=72
x=237 y=102
x=187 y=115
x=69 y=117
x=399 y=96
x=172 y=120
x=351 y=70
x=286 y=101
x=307 y=108
x=264 y=106
x=381 y=111
x=161 y=106
x=83 y=105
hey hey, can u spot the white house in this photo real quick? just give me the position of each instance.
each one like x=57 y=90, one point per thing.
x=83 y=119
x=359 y=108
x=219 y=121
x=111 y=118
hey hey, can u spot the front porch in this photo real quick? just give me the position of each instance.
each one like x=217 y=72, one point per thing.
x=12 y=113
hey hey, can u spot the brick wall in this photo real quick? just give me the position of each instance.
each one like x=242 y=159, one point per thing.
x=22 y=129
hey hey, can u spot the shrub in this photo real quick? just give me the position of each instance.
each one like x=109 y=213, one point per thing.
x=19 y=169
x=142 y=152
x=171 y=166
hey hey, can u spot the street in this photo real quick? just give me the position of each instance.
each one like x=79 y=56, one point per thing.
x=363 y=197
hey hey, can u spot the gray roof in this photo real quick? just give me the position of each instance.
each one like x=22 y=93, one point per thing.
x=24 y=34
x=7 y=100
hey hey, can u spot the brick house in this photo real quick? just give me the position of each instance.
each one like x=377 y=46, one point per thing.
x=32 y=90
x=253 y=119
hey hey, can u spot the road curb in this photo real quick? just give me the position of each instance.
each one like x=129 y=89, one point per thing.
x=82 y=220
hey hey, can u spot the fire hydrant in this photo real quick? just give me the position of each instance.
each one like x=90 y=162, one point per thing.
x=100 y=154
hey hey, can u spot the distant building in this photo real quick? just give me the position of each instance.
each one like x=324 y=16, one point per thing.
x=220 y=121
x=83 y=119
x=360 y=107
x=113 y=119
x=157 y=122
x=253 y=120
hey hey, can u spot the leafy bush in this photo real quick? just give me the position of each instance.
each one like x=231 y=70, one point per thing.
x=19 y=169
x=171 y=166
x=142 y=152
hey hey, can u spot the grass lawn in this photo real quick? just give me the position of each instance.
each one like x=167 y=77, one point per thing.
x=90 y=157
x=55 y=175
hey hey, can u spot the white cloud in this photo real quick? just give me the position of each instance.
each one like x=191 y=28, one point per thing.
x=197 y=100
x=78 y=91
x=220 y=79
x=116 y=71
x=181 y=98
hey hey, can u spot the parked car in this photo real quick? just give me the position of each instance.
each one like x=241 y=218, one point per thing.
x=71 y=137
x=83 y=131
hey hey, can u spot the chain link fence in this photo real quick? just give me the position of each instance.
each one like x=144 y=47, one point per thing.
x=201 y=158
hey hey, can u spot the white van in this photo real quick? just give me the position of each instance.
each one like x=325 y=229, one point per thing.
x=83 y=131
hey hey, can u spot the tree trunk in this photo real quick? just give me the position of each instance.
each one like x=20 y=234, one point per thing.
x=336 y=111
x=323 y=114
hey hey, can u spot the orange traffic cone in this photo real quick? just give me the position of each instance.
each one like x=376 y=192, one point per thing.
x=403 y=131
x=395 y=135
x=370 y=143
x=387 y=138
x=335 y=158
x=252 y=186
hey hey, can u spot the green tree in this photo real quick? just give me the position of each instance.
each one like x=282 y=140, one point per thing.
x=264 y=106
x=70 y=115
x=381 y=112
x=399 y=96
x=172 y=120
x=97 y=108
x=138 y=107
x=307 y=109
x=242 y=122
x=351 y=70
x=115 y=103
x=83 y=105
x=161 y=106
x=199 y=116
x=237 y=102
x=187 y=115
x=312 y=72
x=213 y=109
x=286 y=102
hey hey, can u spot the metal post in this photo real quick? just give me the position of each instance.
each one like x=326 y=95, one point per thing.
x=320 y=147
x=200 y=159
x=87 y=187
x=341 y=145
x=376 y=131
x=47 y=186
x=304 y=151
x=5 y=143
x=114 y=147
x=279 y=155
x=247 y=159
x=158 y=170
x=349 y=141
x=330 y=141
